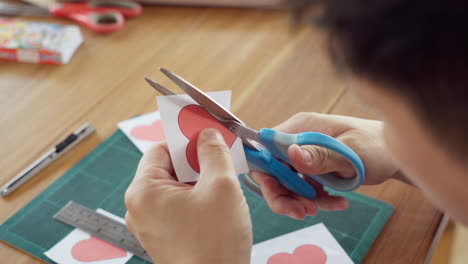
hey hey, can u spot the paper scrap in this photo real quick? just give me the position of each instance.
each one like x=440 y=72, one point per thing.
x=143 y=130
x=183 y=119
x=314 y=244
x=79 y=247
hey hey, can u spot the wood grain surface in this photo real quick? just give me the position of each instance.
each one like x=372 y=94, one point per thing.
x=273 y=71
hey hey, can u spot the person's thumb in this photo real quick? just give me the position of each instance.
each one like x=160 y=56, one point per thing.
x=214 y=158
x=318 y=160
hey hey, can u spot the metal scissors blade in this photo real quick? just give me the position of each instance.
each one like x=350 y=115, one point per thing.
x=244 y=132
x=233 y=124
x=200 y=97
x=163 y=90
x=10 y=9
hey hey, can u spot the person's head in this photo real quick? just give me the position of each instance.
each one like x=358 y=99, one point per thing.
x=409 y=59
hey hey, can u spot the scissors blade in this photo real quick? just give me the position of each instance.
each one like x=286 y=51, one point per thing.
x=246 y=133
x=200 y=97
x=9 y=9
x=163 y=90
x=242 y=130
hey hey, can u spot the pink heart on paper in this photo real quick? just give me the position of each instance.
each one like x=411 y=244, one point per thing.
x=305 y=254
x=153 y=132
x=95 y=249
x=193 y=119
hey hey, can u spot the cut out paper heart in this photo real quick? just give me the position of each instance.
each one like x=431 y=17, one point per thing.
x=153 y=132
x=306 y=254
x=193 y=119
x=95 y=249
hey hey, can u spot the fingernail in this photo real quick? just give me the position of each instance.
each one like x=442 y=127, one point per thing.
x=212 y=133
x=291 y=214
x=340 y=207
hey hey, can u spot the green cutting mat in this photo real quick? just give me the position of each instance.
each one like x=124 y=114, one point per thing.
x=100 y=180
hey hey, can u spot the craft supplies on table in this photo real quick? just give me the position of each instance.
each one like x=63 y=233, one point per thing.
x=81 y=247
x=99 y=16
x=100 y=181
x=42 y=43
x=50 y=156
x=143 y=130
x=102 y=226
x=221 y=3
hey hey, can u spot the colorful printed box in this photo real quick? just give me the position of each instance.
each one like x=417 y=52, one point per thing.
x=38 y=42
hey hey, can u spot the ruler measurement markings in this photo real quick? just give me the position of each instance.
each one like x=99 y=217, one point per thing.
x=101 y=226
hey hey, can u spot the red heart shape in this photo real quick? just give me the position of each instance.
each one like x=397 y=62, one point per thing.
x=95 y=249
x=305 y=254
x=153 y=132
x=193 y=119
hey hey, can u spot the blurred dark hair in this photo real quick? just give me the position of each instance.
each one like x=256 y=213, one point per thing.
x=416 y=48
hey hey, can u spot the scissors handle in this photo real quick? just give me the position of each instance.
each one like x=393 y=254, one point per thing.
x=127 y=8
x=264 y=161
x=99 y=16
x=278 y=143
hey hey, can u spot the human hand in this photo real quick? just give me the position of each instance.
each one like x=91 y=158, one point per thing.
x=363 y=136
x=181 y=223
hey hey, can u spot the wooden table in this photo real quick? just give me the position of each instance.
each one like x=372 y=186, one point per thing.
x=272 y=70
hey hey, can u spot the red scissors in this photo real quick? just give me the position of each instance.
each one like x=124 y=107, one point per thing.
x=99 y=16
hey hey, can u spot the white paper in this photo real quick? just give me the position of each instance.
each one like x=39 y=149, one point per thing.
x=65 y=251
x=315 y=244
x=170 y=108
x=144 y=130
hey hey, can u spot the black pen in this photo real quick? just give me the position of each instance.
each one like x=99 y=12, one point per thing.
x=62 y=147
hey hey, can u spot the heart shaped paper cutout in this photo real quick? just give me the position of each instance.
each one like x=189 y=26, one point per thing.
x=153 y=132
x=193 y=119
x=305 y=254
x=95 y=249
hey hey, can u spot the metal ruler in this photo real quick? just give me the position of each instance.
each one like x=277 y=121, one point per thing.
x=101 y=226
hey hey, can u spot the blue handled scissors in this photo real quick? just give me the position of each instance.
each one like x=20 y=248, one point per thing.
x=271 y=158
